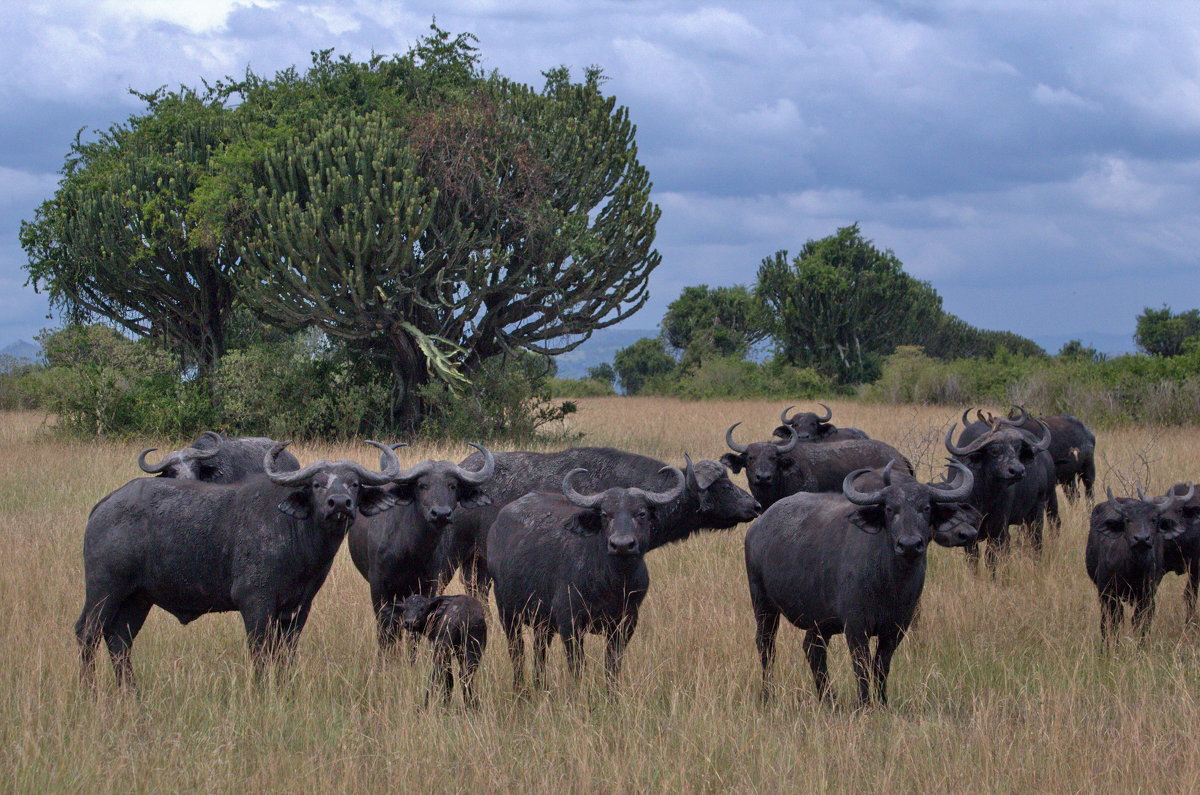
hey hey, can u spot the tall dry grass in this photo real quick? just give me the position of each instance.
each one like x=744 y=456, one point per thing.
x=1001 y=687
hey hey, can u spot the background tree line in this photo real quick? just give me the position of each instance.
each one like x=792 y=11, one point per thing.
x=412 y=229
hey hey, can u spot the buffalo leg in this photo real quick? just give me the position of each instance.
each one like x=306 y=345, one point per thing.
x=89 y=631
x=888 y=641
x=1052 y=516
x=543 y=633
x=860 y=655
x=816 y=649
x=972 y=551
x=516 y=648
x=387 y=622
x=290 y=628
x=1088 y=476
x=120 y=628
x=442 y=677
x=1189 y=591
x=618 y=639
x=475 y=576
x=1112 y=612
x=263 y=636
x=573 y=646
x=467 y=665
x=1143 y=614
x=766 y=628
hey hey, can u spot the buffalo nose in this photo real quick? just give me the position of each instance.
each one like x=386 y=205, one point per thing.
x=622 y=545
x=339 y=503
x=910 y=546
x=758 y=507
x=1141 y=540
x=1015 y=472
x=440 y=514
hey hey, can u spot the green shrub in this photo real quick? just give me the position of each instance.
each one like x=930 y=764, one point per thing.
x=579 y=387
x=731 y=378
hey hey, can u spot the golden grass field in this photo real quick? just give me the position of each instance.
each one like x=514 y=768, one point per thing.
x=1000 y=688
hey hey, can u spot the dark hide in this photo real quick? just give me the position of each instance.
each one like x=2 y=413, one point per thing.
x=1072 y=450
x=1181 y=555
x=831 y=566
x=191 y=548
x=810 y=427
x=233 y=460
x=456 y=626
x=710 y=501
x=1124 y=557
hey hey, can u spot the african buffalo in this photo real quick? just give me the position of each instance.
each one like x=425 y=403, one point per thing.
x=457 y=628
x=571 y=563
x=1124 y=557
x=776 y=470
x=853 y=563
x=217 y=459
x=398 y=552
x=262 y=546
x=1072 y=449
x=1000 y=457
x=810 y=427
x=709 y=501
x=1181 y=555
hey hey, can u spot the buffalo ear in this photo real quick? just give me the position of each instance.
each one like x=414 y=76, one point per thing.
x=1174 y=531
x=868 y=518
x=949 y=518
x=404 y=493
x=735 y=461
x=585 y=522
x=296 y=504
x=474 y=499
x=824 y=429
x=373 y=500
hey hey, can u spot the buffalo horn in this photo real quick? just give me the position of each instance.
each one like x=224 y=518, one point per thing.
x=286 y=478
x=483 y=473
x=389 y=466
x=154 y=470
x=964 y=483
x=1043 y=443
x=1108 y=490
x=689 y=472
x=970 y=448
x=860 y=497
x=966 y=419
x=733 y=445
x=783 y=417
x=663 y=497
x=212 y=436
x=383 y=458
x=575 y=497
x=790 y=444
x=828 y=413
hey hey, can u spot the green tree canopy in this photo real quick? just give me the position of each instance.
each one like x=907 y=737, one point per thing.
x=842 y=304
x=640 y=362
x=1162 y=333
x=717 y=321
x=432 y=216
x=116 y=241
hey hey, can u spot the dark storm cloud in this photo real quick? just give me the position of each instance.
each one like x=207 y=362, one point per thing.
x=1016 y=154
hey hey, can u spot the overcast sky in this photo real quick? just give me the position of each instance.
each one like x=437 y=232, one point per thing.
x=1037 y=161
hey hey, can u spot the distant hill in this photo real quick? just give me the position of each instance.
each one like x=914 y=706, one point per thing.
x=599 y=349
x=22 y=351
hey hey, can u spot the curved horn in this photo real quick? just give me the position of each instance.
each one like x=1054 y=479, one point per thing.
x=1108 y=490
x=966 y=482
x=734 y=446
x=860 y=497
x=389 y=465
x=966 y=420
x=828 y=413
x=1039 y=444
x=413 y=472
x=663 y=497
x=970 y=448
x=575 y=497
x=212 y=436
x=383 y=460
x=1141 y=494
x=156 y=469
x=784 y=418
x=790 y=444
x=482 y=474
x=1179 y=499
x=1017 y=421
x=286 y=478
x=689 y=473
x=887 y=472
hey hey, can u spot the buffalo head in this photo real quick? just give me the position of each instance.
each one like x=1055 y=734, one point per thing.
x=1002 y=452
x=767 y=464
x=438 y=487
x=186 y=464
x=334 y=490
x=624 y=517
x=1144 y=523
x=721 y=504
x=808 y=425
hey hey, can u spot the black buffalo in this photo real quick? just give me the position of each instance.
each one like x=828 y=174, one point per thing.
x=811 y=427
x=851 y=563
x=1072 y=449
x=1181 y=555
x=262 y=546
x=709 y=501
x=775 y=470
x=217 y=459
x=1013 y=481
x=1124 y=557
x=398 y=552
x=570 y=564
x=457 y=628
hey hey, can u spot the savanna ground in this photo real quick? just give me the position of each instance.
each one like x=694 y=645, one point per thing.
x=1001 y=686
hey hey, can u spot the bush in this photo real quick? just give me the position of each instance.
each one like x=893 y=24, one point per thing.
x=579 y=387
x=733 y=378
x=641 y=361
x=17 y=384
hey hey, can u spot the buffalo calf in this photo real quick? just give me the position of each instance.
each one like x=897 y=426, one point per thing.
x=457 y=628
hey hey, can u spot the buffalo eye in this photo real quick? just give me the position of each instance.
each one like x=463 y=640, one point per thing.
x=642 y=514
x=1026 y=455
x=1115 y=525
x=1166 y=525
x=423 y=486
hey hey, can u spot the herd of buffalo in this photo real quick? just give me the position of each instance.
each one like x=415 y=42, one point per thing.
x=841 y=529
